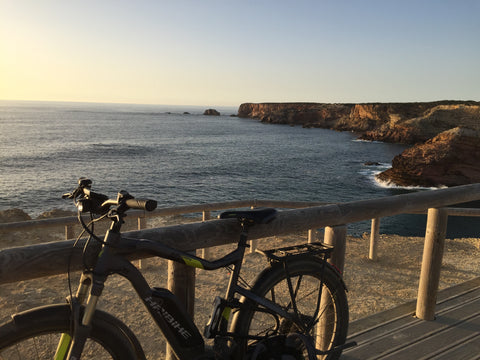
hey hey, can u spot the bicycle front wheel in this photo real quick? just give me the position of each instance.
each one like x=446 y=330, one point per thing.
x=36 y=334
x=317 y=293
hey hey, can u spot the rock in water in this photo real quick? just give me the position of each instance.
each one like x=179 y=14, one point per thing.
x=13 y=215
x=211 y=112
x=55 y=213
x=451 y=158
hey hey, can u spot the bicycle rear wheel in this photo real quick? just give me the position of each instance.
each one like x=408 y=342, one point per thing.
x=327 y=327
x=35 y=334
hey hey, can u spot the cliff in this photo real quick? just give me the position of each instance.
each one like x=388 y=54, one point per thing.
x=390 y=122
x=450 y=158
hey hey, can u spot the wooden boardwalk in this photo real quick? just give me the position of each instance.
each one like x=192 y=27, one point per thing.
x=397 y=334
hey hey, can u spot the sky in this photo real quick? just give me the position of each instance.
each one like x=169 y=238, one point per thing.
x=212 y=52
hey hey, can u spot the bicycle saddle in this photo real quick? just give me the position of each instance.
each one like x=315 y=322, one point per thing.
x=257 y=216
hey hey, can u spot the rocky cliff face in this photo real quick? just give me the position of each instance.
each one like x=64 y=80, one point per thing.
x=391 y=122
x=450 y=158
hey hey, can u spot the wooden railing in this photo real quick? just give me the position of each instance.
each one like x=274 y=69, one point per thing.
x=35 y=261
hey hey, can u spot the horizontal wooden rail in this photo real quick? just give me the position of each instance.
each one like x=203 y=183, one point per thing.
x=52 y=258
x=177 y=210
x=375 y=229
x=452 y=211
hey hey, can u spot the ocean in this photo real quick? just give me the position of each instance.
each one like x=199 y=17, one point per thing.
x=178 y=156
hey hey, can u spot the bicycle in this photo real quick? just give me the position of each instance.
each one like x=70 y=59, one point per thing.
x=295 y=309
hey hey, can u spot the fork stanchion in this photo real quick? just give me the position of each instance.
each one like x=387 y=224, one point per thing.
x=336 y=236
x=181 y=282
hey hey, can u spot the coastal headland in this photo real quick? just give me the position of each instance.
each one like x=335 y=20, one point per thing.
x=457 y=153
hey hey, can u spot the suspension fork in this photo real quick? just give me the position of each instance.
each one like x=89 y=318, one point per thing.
x=82 y=324
x=75 y=302
x=84 y=287
x=88 y=292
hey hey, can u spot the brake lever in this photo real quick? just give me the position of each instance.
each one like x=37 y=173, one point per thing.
x=67 y=196
x=83 y=183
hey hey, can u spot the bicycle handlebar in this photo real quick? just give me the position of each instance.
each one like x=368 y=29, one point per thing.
x=89 y=201
x=142 y=204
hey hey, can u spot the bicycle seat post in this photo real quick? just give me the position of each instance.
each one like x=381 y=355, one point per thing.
x=242 y=244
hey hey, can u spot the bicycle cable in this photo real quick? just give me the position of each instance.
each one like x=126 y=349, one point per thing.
x=87 y=242
x=241 y=280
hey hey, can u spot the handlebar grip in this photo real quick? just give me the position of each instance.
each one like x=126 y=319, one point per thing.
x=141 y=204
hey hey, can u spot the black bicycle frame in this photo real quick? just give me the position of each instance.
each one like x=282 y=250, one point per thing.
x=172 y=318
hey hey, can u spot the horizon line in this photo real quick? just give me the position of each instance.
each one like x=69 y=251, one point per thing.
x=228 y=106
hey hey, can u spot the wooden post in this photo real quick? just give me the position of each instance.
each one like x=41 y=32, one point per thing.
x=374 y=236
x=253 y=246
x=206 y=215
x=69 y=232
x=181 y=282
x=431 y=263
x=336 y=236
x=141 y=224
x=314 y=235
x=253 y=243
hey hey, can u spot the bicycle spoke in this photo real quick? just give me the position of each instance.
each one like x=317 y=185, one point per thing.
x=44 y=347
x=308 y=292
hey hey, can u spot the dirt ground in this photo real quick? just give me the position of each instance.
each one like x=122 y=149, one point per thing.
x=373 y=286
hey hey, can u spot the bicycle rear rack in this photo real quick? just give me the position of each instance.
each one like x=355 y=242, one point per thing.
x=316 y=249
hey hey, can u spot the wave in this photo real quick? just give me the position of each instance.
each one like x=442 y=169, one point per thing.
x=386 y=184
x=368 y=141
x=371 y=172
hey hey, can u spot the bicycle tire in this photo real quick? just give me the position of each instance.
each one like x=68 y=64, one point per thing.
x=35 y=334
x=272 y=284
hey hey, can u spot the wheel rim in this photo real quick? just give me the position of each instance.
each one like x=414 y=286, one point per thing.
x=44 y=347
x=306 y=288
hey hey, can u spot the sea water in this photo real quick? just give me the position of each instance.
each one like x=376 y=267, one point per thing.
x=178 y=156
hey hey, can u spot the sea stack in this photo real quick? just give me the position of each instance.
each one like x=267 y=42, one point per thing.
x=211 y=112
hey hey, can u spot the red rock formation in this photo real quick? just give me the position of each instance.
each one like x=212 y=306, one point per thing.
x=450 y=158
x=396 y=134
x=391 y=122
